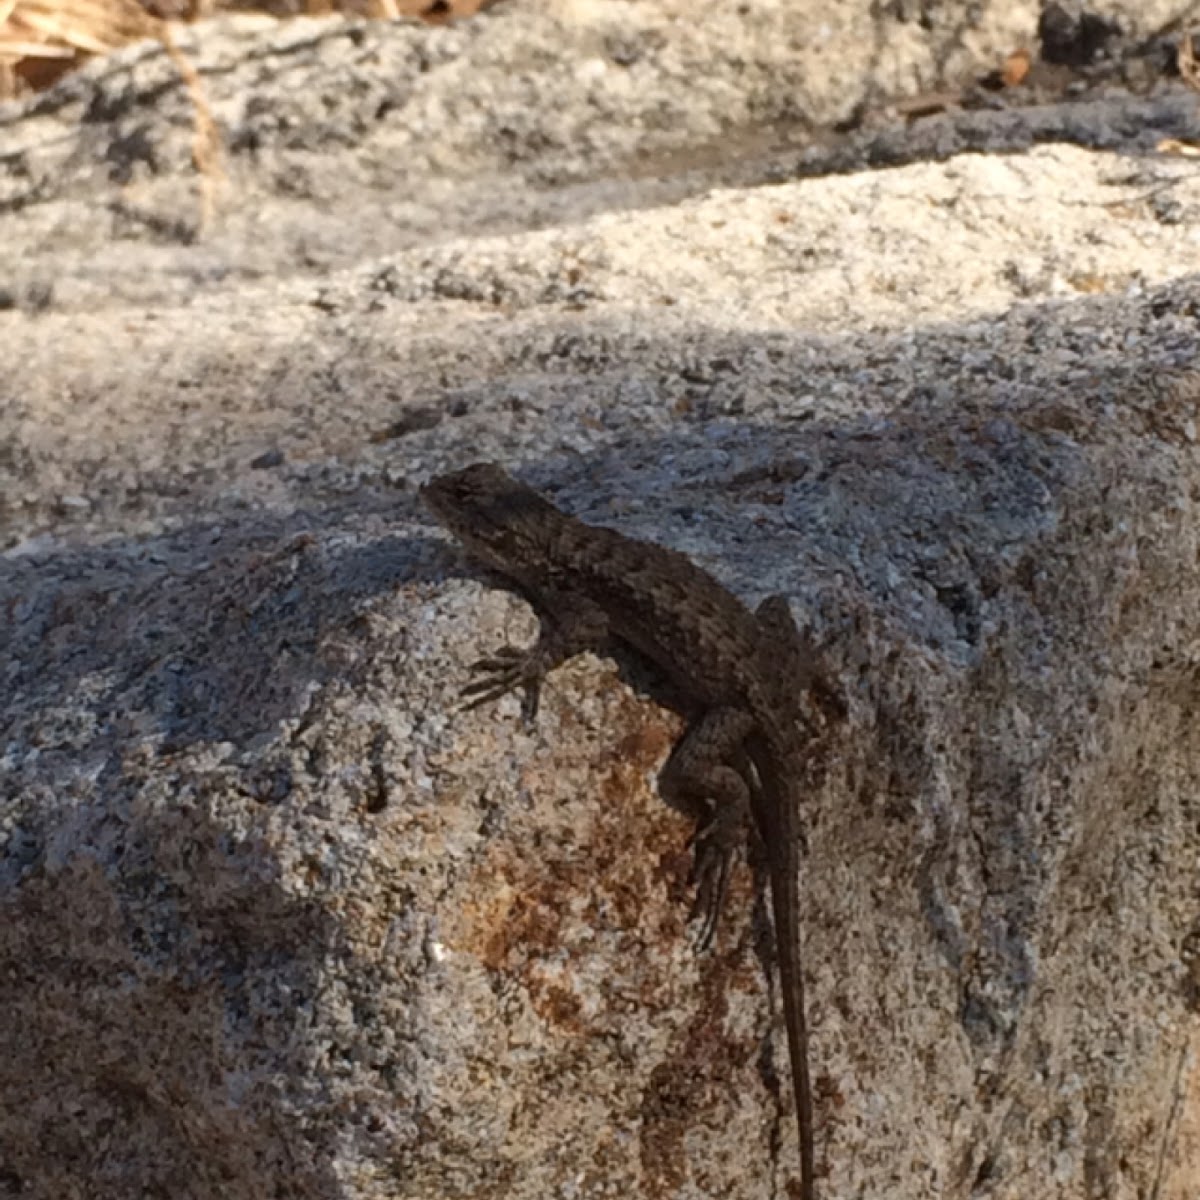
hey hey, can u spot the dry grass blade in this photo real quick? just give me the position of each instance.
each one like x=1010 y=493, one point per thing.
x=33 y=31
x=11 y=48
x=1185 y=60
x=206 y=142
x=51 y=27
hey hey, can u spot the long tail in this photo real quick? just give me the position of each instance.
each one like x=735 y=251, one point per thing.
x=788 y=659
x=785 y=903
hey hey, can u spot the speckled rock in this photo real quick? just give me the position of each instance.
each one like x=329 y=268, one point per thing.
x=276 y=919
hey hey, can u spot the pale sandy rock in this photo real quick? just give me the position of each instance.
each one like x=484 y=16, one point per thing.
x=277 y=920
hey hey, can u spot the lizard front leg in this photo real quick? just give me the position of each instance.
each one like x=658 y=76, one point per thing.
x=705 y=778
x=570 y=624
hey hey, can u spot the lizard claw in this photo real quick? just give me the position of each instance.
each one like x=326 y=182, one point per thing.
x=501 y=672
x=502 y=659
x=710 y=873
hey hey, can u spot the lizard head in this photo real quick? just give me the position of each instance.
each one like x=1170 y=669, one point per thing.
x=498 y=519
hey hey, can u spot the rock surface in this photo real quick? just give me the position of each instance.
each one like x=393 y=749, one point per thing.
x=276 y=920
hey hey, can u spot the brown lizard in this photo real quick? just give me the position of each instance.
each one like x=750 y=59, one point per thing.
x=741 y=676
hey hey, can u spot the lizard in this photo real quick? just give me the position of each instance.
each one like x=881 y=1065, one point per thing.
x=740 y=675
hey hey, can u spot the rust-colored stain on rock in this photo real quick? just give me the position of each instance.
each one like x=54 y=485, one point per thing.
x=622 y=869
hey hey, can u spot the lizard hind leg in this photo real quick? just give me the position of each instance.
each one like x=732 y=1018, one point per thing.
x=713 y=847
x=703 y=779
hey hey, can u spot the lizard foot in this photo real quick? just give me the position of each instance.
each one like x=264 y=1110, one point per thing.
x=503 y=671
x=712 y=858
